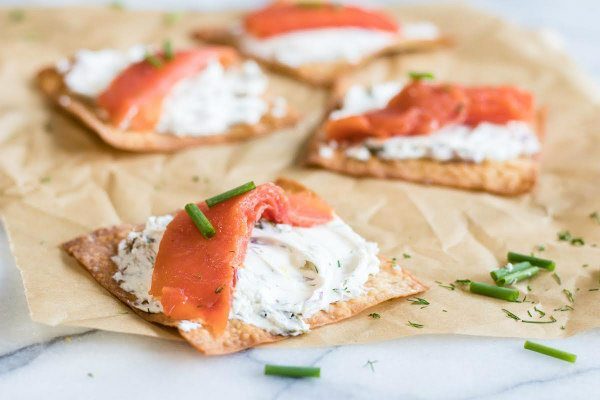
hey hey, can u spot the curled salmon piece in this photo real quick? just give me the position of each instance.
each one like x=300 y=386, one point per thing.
x=499 y=105
x=284 y=17
x=194 y=277
x=421 y=108
x=134 y=98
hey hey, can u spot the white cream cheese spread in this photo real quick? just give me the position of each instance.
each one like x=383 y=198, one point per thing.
x=91 y=71
x=289 y=273
x=347 y=44
x=485 y=141
x=208 y=103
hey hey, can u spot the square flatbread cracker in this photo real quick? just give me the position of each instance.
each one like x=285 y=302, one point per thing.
x=52 y=84
x=95 y=250
x=322 y=74
x=509 y=178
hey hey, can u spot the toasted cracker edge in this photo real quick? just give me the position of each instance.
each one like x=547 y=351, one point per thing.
x=51 y=83
x=94 y=251
x=323 y=74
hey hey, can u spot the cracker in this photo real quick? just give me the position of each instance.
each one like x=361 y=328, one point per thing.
x=508 y=178
x=51 y=83
x=94 y=251
x=322 y=74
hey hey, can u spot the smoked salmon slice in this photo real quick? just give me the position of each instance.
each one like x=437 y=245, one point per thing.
x=284 y=17
x=422 y=108
x=194 y=277
x=134 y=98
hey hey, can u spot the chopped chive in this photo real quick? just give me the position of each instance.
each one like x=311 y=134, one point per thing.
x=153 y=60
x=292 y=371
x=168 y=50
x=375 y=315
x=502 y=272
x=535 y=261
x=417 y=76
x=517 y=276
x=200 y=220
x=246 y=187
x=549 y=351
x=415 y=325
x=494 y=291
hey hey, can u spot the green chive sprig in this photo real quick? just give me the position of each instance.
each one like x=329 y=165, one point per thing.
x=502 y=272
x=485 y=289
x=550 y=351
x=246 y=187
x=535 y=261
x=513 y=277
x=168 y=50
x=417 y=76
x=292 y=371
x=200 y=220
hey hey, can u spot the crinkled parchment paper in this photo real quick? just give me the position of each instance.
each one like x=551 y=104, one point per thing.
x=57 y=181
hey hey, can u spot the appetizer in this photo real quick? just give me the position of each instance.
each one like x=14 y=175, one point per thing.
x=146 y=100
x=471 y=137
x=316 y=41
x=252 y=265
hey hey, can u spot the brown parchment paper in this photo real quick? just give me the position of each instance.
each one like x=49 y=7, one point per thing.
x=57 y=181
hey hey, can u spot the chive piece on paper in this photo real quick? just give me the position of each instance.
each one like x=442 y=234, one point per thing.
x=292 y=371
x=246 y=187
x=535 y=261
x=417 y=76
x=200 y=220
x=517 y=276
x=502 y=272
x=550 y=351
x=485 y=289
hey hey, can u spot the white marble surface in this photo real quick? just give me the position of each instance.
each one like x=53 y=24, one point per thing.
x=38 y=361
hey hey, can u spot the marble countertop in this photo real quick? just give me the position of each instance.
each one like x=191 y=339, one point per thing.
x=69 y=363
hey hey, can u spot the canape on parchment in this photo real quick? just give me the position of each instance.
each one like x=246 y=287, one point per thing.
x=317 y=41
x=146 y=99
x=484 y=138
x=253 y=265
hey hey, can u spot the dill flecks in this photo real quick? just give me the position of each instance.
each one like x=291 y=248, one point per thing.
x=540 y=312
x=557 y=278
x=462 y=281
x=370 y=363
x=16 y=15
x=552 y=320
x=566 y=236
x=449 y=287
x=595 y=216
x=511 y=315
x=414 y=325
x=565 y=308
x=375 y=315
x=569 y=295
x=406 y=255
x=540 y=247
x=417 y=301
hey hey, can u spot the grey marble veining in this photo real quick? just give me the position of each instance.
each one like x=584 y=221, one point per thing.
x=69 y=363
